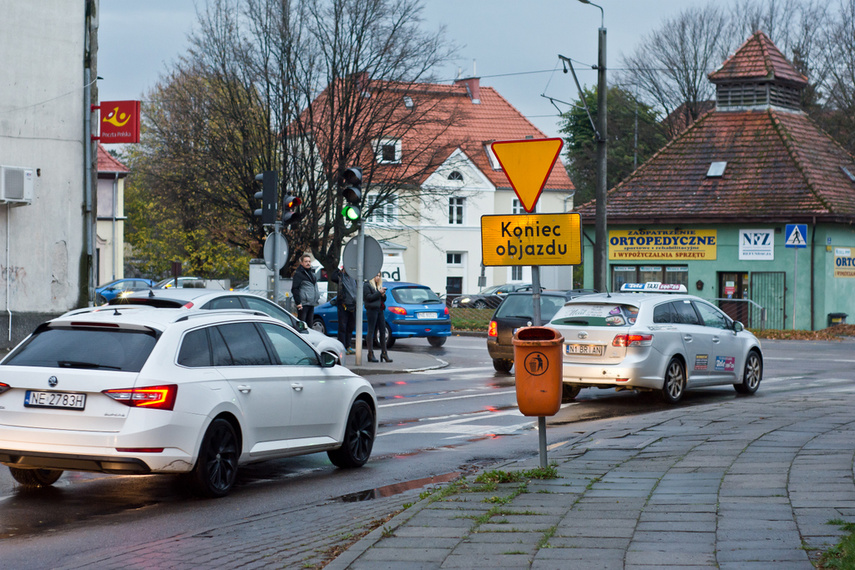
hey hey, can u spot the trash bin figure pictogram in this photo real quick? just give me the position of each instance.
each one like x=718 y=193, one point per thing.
x=537 y=368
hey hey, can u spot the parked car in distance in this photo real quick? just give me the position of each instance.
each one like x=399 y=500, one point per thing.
x=517 y=310
x=651 y=340
x=412 y=310
x=182 y=282
x=107 y=291
x=489 y=297
x=214 y=299
x=139 y=390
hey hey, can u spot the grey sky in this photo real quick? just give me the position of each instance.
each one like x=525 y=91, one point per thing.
x=504 y=40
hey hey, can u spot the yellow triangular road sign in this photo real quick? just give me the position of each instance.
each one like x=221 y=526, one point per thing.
x=527 y=164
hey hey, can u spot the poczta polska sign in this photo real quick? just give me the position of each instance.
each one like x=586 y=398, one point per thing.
x=531 y=239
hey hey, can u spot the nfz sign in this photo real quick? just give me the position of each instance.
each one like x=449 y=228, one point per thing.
x=757 y=245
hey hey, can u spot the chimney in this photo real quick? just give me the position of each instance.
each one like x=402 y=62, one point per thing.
x=473 y=88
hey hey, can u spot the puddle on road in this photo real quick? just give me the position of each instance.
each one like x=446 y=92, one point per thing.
x=396 y=488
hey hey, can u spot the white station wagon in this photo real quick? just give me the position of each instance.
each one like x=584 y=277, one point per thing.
x=649 y=340
x=132 y=390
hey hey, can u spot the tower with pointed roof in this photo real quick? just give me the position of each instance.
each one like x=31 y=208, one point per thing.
x=742 y=172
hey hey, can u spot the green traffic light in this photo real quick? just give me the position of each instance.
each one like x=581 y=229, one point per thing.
x=350 y=213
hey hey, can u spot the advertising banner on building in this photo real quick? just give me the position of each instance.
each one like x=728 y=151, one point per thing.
x=662 y=244
x=757 y=245
x=844 y=263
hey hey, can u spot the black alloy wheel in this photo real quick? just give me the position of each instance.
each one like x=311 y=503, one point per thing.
x=216 y=468
x=358 y=438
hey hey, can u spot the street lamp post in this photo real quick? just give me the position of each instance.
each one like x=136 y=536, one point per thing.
x=602 y=234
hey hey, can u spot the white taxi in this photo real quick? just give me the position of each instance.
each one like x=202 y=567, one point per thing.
x=654 y=337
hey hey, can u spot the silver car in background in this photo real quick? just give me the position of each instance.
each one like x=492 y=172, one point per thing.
x=654 y=341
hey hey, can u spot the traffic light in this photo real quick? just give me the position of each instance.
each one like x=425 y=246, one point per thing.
x=268 y=209
x=290 y=214
x=352 y=192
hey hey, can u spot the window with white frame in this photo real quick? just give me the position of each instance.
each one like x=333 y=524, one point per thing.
x=387 y=151
x=491 y=156
x=516 y=273
x=456 y=211
x=517 y=207
x=454 y=258
x=383 y=213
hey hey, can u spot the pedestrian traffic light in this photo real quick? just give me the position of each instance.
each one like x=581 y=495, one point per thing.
x=290 y=214
x=268 y=209
x=352 y=192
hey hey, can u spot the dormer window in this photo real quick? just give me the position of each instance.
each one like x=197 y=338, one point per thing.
x=716 y=169
x=494 y=162
x=456 y=176
x=388 y=151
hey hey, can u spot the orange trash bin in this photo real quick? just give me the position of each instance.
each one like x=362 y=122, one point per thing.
x=538 y=365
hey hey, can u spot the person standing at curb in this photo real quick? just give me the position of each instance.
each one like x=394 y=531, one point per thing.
x=374 y=295
x=304 y=288
x=346 y=307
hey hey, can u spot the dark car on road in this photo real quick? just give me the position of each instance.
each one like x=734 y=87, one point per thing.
x=517 y=311
x=490 y=297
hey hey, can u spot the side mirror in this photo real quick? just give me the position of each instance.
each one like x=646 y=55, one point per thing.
x=738 y=327
x=302 y=326
x=328 y=360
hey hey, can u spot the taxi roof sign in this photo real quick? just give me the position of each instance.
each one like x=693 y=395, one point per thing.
x=653 y=287
x=527 y=164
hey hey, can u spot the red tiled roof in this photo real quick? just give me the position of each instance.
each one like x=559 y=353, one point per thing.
x=757 y=58
x=450 y=121
x=780 y=166
x=106 y=162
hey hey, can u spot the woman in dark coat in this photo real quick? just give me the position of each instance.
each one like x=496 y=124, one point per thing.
x=374 y=295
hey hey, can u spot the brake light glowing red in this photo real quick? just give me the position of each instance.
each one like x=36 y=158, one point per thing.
x=446 y=311
x=627 y=340
x=398 y=310
x=155 y=397
x=493 y=329
x=4 y=387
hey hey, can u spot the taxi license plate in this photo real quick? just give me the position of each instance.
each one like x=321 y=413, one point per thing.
x=62 y=400
x=426 y=315
x=591 y=349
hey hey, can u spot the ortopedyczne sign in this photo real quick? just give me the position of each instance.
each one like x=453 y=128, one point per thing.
x=531 y=239
x=662 y=244
x=844 y=263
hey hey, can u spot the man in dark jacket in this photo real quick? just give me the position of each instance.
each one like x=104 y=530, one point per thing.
x=304 y=288
x=346 y=306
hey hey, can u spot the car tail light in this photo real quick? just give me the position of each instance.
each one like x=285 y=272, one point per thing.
x=398 y=310
x=493 y=329
x=187 y=305
x=627 y=340
x=139 y=449
x=155 y=397
x=4 y=387
x=446 y=311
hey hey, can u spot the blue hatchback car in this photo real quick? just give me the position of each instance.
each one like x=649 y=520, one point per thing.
x=111 y=290
x=412 y=310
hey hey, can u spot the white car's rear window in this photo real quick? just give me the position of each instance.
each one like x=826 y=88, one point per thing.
x=596 y=315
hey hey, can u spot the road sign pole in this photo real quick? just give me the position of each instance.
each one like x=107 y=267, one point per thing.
x=795 y=283
x=360 y=277
x=537 y=321
x=277 y=227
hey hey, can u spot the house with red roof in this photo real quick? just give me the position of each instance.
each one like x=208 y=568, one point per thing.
x=752 y=205
x=447 y=156
x=110 y=228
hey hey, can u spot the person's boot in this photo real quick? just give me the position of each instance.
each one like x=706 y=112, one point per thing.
x=385 y=357
x=371 y=357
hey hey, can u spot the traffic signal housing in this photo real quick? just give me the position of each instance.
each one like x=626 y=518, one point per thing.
x=268 y=209
x=352 y=193
x=290 y=214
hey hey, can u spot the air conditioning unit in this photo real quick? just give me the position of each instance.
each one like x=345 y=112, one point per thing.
x=16 y=185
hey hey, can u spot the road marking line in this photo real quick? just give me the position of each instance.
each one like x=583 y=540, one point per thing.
x=454 y=370
x=481 y=395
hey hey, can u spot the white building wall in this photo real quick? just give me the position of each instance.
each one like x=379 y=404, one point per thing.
x=41 y=127
x=110 y=230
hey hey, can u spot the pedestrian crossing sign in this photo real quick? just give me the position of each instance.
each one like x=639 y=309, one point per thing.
x=796 y=235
